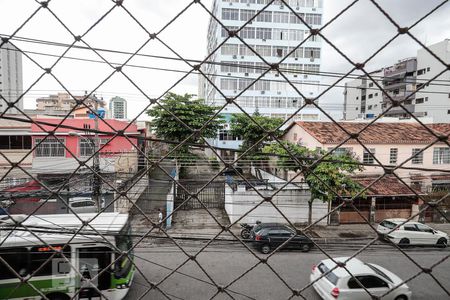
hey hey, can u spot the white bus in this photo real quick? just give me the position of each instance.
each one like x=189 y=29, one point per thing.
x=78 y=260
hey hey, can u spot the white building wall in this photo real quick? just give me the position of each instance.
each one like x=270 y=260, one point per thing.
x=272 y=95
x=11 y=82
x=292 y=203
x=434 y=99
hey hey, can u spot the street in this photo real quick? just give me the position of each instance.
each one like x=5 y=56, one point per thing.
x=224 y=262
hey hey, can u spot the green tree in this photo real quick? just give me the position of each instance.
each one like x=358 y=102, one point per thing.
x=192 y=112
x=322 y=178
x=250 y=133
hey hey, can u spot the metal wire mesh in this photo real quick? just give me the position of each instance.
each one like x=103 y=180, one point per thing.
x=123 y=191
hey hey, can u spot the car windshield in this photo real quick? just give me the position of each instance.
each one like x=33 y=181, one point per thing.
x=379 y=272
x=330 y=276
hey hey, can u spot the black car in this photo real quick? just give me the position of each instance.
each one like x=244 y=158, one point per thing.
x=270 y=237
x=260 y=226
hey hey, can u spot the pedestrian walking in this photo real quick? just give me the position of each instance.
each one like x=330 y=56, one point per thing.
x=160 y=218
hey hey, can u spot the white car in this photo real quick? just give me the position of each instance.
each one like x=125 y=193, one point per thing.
x=411 y=233
x=339 y=284
x=84 y=204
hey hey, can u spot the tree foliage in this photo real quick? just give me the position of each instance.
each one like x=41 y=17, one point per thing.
x=332 y=174
x=192 y=112
x=241 y=125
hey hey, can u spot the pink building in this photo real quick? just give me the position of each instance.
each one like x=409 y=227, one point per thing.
x=391 y=144
x=117 y=154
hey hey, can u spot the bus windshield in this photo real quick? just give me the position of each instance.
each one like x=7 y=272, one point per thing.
x=123 y=243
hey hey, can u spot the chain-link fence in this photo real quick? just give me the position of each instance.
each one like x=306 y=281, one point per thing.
x=74 y=255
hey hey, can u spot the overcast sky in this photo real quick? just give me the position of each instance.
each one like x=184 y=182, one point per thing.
x=358 y=33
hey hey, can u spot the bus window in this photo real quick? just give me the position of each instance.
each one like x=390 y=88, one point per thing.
x=39 y=260
x=17 y=259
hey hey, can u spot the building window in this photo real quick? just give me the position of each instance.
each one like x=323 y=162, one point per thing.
x=370 y=96
x=265 y=16
x=229 y=49
x=228 y=67
x=368 y=157
x=264 y=50
x=247 y=33
x=441 y=155
x=280 y=17
x=262 y=101
x=264 y=33
x=10 y=142
x=230 y=14
x=279 y=51
x=312 y=52
x=225 y=135
x=421 y=71
x=393 y=154
x=419 y=100
x=418 y=159
x=50 y=147
x=87 y=147
x=342 y=151
x=246 y=51
x=228 y=84
x=247 y=14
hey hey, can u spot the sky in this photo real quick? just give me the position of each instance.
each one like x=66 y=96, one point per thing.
x=358 y=33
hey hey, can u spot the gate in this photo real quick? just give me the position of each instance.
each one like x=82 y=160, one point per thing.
x=212 y=196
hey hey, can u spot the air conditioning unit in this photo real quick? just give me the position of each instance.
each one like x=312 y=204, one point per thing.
x=248 y=4
x=305 y=76
x=234 y=56
x=281 y=6
x=296 y=58
x=295 y=75
x=314 y=9
x=311 y=59
x=246 y=74
x=235 y=91
x=263 y=40
x=231 y=3
x=263 y=92
x=277 y=75
x=278 y=93
x=242 y=56
x=228 y=74
x=297 y=8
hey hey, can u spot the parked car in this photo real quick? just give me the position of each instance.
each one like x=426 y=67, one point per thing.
x=270 y=237
x=411 y=233
x=339 y=284
x=260 y=226
x=84 y=204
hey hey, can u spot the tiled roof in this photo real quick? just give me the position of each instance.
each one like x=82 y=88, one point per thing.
x=386 y=186
x=377 y=133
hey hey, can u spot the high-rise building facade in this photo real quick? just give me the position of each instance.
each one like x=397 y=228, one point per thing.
x=11 y=82
x=419 y=83
x=277 y=36
x=118 y=108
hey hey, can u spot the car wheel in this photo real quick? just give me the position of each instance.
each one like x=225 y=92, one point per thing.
x=442 y=242
x=265 y=249
x=305 y=247
x=401 y=297
x=404 y=242
x=245 y=234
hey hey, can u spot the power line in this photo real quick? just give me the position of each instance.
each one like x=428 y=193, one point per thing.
x=325 y=74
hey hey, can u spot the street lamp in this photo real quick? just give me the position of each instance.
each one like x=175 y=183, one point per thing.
x=96 y=188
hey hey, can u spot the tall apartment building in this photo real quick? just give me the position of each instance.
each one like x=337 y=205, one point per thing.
x=362 y=98
x=118 y=108
x=273 y=34
x=11 y=81
x=401 y=80
x=434 y=99
x=64 y=102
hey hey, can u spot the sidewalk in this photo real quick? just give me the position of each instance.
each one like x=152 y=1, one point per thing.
x=325 y=233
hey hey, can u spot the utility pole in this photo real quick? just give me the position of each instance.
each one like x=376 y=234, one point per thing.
x=96 y=191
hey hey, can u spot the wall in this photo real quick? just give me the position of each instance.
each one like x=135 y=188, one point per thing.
x=292 y=203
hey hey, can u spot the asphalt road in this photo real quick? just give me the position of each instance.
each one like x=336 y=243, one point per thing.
x=225 y=262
